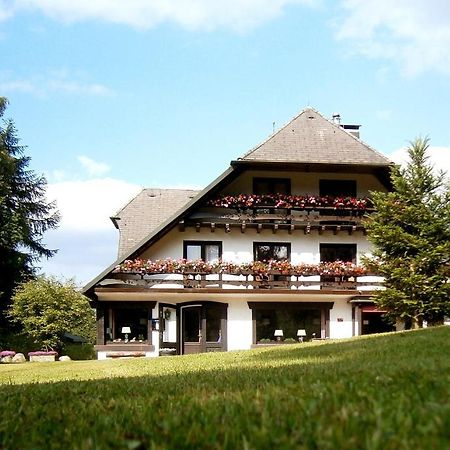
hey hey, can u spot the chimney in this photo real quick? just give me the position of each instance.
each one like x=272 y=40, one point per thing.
x=352 y=129
x=336 y=118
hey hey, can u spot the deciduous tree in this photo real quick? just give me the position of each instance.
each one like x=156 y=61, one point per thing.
x=46 y=308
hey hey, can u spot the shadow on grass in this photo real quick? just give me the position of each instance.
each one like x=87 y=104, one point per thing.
x=386 y=391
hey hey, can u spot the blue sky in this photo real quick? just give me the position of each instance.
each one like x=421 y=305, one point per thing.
x=111 y=96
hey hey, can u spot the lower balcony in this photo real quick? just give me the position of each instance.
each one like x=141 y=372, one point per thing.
x=182 y=274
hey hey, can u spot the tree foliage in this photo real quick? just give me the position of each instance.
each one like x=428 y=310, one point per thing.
x=46 y=308
x=25 y=214
x=411 y=234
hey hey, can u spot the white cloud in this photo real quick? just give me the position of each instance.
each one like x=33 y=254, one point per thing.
x=87 y=205
x=191 y=14
x=414 y=33
x=439 y=157
x=86 y=238
x=383 y=114
x=93 y=168
x=22 y=86
x=77 y=88
x=54 y=82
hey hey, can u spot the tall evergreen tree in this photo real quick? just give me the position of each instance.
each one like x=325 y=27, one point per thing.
x=411 y=234
x=24 y=213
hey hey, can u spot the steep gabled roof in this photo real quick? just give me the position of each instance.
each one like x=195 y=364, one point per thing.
x=163 y=227
x=145 y=212
x=310 y=138
x=307 y=139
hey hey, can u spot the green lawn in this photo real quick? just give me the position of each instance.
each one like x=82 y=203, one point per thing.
x=379 y=392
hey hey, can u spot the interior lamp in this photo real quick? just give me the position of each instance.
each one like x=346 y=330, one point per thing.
x=126 y=331
x=278 y=334
x=301 y=334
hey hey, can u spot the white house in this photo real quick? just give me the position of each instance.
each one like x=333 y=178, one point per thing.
x=269 y=252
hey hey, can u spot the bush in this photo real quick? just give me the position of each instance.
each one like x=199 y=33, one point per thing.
x=47 y=308
x=78 y=351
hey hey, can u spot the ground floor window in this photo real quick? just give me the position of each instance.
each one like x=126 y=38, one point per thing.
x=127 y=324
x=307 y=320
x=289 y=321
x=373 y=322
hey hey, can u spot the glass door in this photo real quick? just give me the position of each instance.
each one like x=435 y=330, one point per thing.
x=191 y=325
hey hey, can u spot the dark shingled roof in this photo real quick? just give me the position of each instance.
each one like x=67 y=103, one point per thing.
x=312 y=139
x=145 y=212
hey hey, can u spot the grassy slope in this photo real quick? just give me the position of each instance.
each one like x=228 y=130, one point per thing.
x=380 y=392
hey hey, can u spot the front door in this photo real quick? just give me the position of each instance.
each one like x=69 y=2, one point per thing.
x=191 y=329
x=203 y=328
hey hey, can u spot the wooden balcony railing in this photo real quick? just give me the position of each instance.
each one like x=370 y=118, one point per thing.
x=273 y=274
x=250 y=281
x=282 y=212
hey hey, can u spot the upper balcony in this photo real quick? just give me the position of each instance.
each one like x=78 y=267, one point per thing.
x=279 y=211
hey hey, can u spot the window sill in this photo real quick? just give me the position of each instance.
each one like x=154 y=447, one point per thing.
x=122 y=347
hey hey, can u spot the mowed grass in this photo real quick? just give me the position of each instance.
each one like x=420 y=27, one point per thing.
x=378 y=392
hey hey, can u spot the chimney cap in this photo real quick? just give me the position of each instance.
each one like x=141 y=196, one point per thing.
x=336 y=117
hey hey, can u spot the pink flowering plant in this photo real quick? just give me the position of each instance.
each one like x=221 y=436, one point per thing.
x=243 y=201
x=184 y=266
x=43 y=353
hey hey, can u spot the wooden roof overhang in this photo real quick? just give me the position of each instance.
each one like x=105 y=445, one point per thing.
x=121 y=294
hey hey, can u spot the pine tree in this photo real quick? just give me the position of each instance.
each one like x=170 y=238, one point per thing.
x=411 y=234
x=24 y=213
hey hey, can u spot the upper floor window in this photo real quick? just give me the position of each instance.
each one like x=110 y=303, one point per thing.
x=338 y=252
x=265 y=251
x=208 y=251
x=262 y=186
x=337 y=188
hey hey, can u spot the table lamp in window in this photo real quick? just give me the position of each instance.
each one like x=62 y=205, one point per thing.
x=301 y=334
x=278 y=335
x=126 y=331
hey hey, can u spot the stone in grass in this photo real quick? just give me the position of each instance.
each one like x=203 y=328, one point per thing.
x=6 y=359
x=65 y=358
x=19 y=358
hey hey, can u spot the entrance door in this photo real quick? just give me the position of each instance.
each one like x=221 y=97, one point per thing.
x=191 y=329
x=373 y=322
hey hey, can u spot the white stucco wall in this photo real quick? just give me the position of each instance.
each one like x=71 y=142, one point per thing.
x=341 y=320
x=238 y=247
x=239 y=331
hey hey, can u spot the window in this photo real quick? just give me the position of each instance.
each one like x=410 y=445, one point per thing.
x=338 y=252
x=291 y=319
x=206 y=250
x=135 y=318
x=263 y=186
x=337 y=188
x=265 y=251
